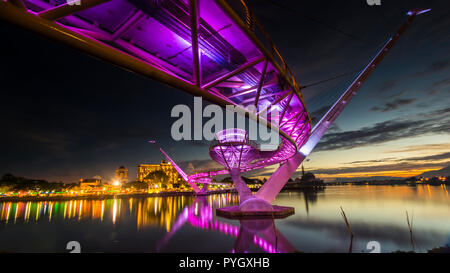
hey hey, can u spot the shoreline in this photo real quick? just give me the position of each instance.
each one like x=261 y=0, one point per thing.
x=105 y=196
x=294 y=187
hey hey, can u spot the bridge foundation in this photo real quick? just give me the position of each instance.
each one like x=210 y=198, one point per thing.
x=251 y=206
x=203 y=191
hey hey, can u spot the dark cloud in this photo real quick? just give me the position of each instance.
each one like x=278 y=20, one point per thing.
x=387 y=85
x=441 y=156
x=439 y=85
x=436 y=157
x=433 y=68
x=371 y=161
x=390 y=164
x=421 y=148
x=438 y=66
x=393 y=105
x=195 y=166
x=444 y=112
x=435 y=122
x=393 y=96
x=335 y=128
x=442 y=83
x=380 y=168
x=318 y=114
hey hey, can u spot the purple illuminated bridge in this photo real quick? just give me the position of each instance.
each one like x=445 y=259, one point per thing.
x=215 y=49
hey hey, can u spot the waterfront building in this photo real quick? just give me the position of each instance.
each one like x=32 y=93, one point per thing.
x=90 y=184
x=145 y=171
x=308 y=179
x=121 y=174
x=96 y=185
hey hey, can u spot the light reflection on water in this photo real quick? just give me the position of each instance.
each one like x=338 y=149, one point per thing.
x=189 y=224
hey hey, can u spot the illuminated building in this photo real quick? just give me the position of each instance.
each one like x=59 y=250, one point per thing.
x=144 y=170
x=90 y=184
x=121 y=174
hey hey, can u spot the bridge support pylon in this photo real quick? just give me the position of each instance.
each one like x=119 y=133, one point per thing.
x=203 y=191
x=259 y=204
x=251 y=206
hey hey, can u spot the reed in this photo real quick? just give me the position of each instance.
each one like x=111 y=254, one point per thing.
x=349 y=229
x=410 y=227
x=275 y=232
x=346 y=222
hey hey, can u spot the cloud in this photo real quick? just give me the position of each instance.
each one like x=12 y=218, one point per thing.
x=439 y=85
x=318 y=114
x=441 y=156
x=438 y=113
x=435 y=157
x=434 y=122
x=381 y=168
x=420 y=148
x=442 y=83
x=195 y=166
x=396 y=95
x=390 y=164
x=372 y=161
x=393 y=105
x=436 y=67
x=387 y=85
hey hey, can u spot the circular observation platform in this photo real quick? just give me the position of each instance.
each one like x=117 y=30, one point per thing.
x=233 y=150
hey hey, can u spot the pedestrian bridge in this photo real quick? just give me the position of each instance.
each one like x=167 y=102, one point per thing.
x=215 y=49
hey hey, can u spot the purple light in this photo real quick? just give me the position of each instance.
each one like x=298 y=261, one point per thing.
x=205 y=221
x=158 y=33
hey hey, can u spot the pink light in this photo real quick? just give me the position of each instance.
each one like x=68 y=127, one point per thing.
x=164 y=43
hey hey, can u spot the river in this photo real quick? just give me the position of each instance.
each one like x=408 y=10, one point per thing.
x=189 y=224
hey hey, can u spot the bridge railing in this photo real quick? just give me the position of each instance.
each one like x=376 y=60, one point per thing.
x=202 y=47
x=238 y=9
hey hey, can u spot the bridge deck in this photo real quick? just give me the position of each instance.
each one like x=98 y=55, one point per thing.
x=212 y=48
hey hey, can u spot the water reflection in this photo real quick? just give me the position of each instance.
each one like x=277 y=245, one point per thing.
x=261 y=233
x=50 y=210
x=188 y=224
x=169 y=213
x=375 y=213
x=311 y=196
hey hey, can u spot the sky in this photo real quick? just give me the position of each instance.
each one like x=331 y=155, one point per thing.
x=65 y=115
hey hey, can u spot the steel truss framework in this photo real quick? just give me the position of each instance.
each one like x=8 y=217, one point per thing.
x=215 y=49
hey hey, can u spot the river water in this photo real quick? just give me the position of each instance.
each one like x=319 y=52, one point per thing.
x=189 y=224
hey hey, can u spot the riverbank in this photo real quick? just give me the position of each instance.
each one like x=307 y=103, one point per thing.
x=105 y=196
x=288 y=187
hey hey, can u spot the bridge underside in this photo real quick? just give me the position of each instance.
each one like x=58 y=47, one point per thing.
x=215 y=49
x=210 y=48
